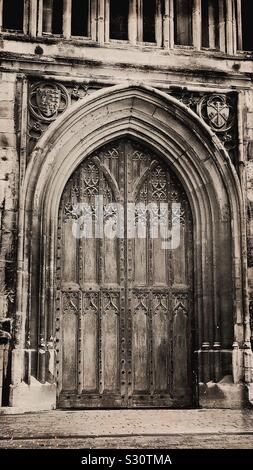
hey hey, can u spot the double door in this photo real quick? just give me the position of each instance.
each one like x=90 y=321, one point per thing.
x=124 y=273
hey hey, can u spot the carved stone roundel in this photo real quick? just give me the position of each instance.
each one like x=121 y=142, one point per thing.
x=47 y=100
x=217 y=111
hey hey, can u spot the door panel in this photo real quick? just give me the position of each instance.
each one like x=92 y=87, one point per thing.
x=124 y=298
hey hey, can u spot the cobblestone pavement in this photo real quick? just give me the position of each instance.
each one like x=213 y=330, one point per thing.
x=218 y=429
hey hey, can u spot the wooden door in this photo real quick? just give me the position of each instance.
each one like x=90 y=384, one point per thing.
x=123 y=300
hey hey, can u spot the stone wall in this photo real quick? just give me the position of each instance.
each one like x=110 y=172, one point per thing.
x=84 y=70
x=9 y=174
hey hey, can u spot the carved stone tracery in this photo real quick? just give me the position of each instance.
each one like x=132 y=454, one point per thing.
x=49 y=99
x=218 y=111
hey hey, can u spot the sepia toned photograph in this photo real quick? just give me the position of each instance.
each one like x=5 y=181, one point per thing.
x=126 y=230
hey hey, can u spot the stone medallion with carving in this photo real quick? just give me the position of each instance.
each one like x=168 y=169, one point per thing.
x=217 y=111
x=47 y=100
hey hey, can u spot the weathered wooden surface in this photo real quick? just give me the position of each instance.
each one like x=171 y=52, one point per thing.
x=125 y=303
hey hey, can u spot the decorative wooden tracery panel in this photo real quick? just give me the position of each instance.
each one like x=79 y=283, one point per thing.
x=124 y=303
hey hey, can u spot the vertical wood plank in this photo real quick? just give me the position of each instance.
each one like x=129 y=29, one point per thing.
x=140 y=352
x=69 y=339
x=179 y=260
x=89 y=249
x=69 y=253
x=160 y=351
x=90 y=357
x=111 y=262
x=67 y=7
x=180 y=352
x=110 y=335
x=140 y=262
x=140 y=342
x=159 y=263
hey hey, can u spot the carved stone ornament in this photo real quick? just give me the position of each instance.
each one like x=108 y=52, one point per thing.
x=217 y=111
x=70 y=302
x=5 y=331
x=47 y=100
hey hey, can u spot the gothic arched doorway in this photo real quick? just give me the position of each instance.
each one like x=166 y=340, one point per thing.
x=124 y=287
x=219 y=313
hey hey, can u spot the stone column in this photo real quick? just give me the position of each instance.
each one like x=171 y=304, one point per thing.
x=166 y=25
x=196 y=24
x=234 y=24
x=139 y=20
x=93 y=20
x=132 y=22
x=103 y=18
x=40 y=17
x=222 y=30
x=67 y=6
x=211 y=24
x=229 y=27
x=33 y=18
x=171 y=23
x=159 y=24
x=239 y=25
x=26 y=17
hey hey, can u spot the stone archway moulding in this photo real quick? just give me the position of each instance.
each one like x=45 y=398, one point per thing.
x=198 y=158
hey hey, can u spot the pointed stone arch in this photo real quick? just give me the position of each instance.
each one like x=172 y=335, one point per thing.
x=199 y=160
